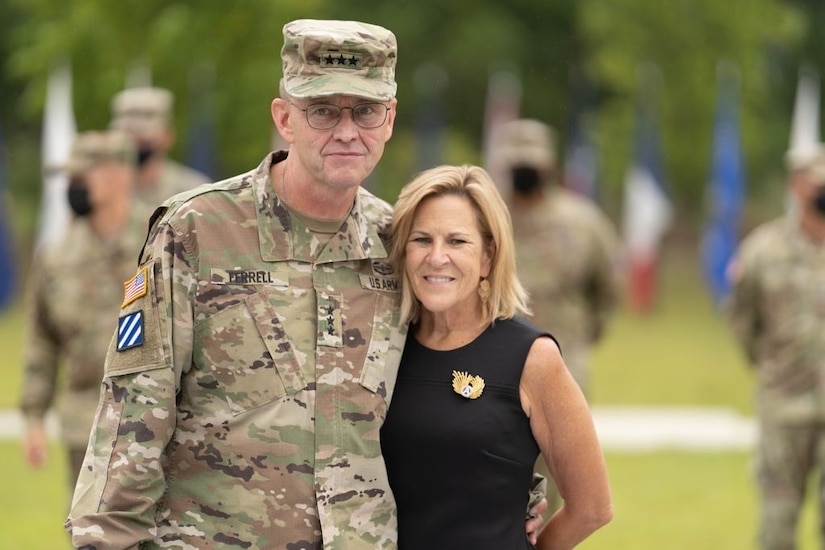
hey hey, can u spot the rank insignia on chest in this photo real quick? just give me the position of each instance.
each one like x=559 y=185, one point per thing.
x=135 y=287
x=466 y=385
x=130 y=331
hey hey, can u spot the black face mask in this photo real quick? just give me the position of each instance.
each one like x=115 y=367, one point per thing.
x=819 y=202
x=525 y=180
x=144 y=154
x=79 y=199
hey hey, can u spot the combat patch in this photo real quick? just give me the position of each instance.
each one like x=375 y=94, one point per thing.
x=130 y=331
x=135 y=287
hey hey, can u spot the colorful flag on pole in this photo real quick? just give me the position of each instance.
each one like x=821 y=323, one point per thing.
x=430 y=117
x=648 y=212
x=580 y=162
x=503 y=104
x=8 y=257
x=202 y=149
x=580 y=155
x=59 y=129
x=805 y=134
x=726 y=188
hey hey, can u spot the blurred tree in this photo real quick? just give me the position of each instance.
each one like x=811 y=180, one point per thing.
x=687 y=39
x=548 y=43
x=471 y=39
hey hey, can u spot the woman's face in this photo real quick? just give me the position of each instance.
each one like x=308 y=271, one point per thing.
x=446 y=257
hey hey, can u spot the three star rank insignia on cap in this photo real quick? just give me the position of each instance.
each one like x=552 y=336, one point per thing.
x=467 y=385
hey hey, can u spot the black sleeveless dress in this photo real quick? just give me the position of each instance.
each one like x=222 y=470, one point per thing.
x=461 y=468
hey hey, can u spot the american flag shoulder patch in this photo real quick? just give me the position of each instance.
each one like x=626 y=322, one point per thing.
x=135 y=287
x=130 y=330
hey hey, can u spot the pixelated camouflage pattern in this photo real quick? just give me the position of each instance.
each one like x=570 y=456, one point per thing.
x=93 y=147
x=527 y=142
x=322 y=58
x=777 y=313
x=250 y=416
x=72 y=298
x=569 y=260
x=142 y=112
x=174 y=178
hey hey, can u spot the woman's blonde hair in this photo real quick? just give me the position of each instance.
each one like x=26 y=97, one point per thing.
x=507 y=295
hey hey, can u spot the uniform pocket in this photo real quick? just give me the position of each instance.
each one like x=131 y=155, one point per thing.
x=246 y=350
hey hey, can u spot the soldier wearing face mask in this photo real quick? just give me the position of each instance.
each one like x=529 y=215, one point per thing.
x=777 y=313
x=145 y=114
x=567 y=250
x=73 y=294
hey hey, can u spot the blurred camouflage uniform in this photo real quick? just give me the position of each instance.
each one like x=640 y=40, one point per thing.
x=145 y=113
x=73 y=294
x=250 y=374
x=568 y=251
x=777 y=313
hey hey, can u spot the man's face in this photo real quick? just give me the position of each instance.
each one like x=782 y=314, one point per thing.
x=341 y=157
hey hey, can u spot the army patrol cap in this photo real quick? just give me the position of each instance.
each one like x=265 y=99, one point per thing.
x=813 y=163
x=92 y=148
x=528 y=142
x=142 y=112
x=323 y=58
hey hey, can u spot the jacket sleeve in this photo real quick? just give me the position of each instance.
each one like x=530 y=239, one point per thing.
x=122 y=478
x=742 y=307
x=41 y=352
x=605 y=287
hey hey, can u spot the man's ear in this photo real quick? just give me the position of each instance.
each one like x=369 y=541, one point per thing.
x=281 y=118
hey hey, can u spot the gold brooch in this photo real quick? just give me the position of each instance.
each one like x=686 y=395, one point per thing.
x=466 y=385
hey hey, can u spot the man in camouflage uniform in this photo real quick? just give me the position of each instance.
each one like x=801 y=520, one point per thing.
x=568 y=251
x=258 y=342
x=777 y=313
x=74 y=291
x=145 y=113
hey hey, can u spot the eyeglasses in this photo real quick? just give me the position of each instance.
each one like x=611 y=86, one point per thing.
x=322 y=116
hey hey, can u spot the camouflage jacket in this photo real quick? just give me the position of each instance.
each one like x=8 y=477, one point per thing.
x=73 y=295
x=174 y=178
x=247 y=382
x=569 y=258
x=777 y=313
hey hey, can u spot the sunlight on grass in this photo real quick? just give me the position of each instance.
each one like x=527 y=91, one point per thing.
x=681 y=353
x=34 y=503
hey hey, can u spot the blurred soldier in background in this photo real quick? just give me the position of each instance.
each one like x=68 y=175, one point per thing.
x=777 y=313
x=146 y=114
x=74 y=291
x=568 y=251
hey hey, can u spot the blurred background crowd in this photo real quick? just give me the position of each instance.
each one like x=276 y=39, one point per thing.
x=673 y=88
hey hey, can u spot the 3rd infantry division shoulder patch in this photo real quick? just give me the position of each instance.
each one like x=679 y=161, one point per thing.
x=130 y=330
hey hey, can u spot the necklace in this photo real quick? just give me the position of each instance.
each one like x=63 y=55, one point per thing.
x=283 y=187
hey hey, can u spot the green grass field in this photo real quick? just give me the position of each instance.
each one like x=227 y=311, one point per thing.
x=680 y=354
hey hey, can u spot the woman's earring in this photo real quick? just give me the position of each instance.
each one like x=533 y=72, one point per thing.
x=484 y=290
